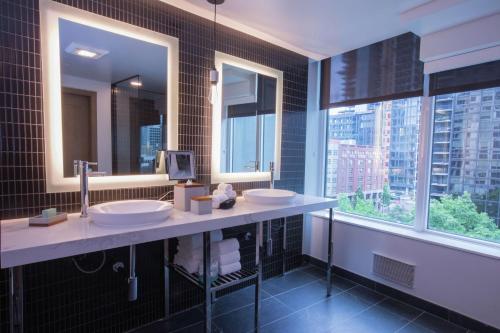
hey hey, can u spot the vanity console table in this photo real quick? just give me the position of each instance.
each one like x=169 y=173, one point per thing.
x=22 y=245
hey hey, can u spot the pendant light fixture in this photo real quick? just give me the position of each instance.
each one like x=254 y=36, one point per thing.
x=214 y=74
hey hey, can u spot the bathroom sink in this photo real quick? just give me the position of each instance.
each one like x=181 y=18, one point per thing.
x=130 y=212
x=269 y=196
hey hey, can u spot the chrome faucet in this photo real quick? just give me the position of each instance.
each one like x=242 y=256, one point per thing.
x=271 y=170
x=82 y=169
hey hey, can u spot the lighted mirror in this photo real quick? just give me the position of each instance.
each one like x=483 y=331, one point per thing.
x=110 y=96
x=246 y=121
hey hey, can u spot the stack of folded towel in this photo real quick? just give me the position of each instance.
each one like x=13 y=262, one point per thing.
x=190 y=250
x=228 y=252
x=222 y=193
x=225 y=254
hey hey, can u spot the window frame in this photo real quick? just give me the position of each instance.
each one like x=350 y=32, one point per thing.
x=424 y=167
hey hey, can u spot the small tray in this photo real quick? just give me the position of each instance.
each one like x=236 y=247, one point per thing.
x=39 y=221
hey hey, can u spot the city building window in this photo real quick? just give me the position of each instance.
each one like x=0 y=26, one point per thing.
x=466 y=202
x=383 y=135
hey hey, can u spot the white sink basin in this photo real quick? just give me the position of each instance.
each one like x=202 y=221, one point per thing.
x=130 y=212
x=269 y=196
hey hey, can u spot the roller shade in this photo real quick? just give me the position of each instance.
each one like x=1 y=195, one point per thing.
x=474 y=77
x=386 y=70
x=266 y=100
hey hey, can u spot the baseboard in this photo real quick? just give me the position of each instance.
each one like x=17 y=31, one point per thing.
x=427 y=306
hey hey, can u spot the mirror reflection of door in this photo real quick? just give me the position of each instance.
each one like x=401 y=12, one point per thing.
x=248 y=120
x=79 y=127
x=127 y=82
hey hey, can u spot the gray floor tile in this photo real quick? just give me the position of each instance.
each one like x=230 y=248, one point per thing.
x=407 y=311
x=374 y=320
x=413 y=328
x=437 y=325
x=338 y=281
x=295 y=323
x=242 y=320
x=176 y=322
x=291 y=280
x=306 y=295
x=335 y=309
x=237 y=299
x=365 y=294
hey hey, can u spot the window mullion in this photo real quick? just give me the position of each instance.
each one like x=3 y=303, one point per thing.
x=424 y=160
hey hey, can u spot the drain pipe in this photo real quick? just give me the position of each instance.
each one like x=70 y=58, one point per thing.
x=132 y=279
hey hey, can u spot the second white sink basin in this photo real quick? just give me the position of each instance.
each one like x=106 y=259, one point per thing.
x=269 y=196
x=130 y=212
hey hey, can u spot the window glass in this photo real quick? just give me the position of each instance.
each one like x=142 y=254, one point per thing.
x=372 y=159
x=465 y=171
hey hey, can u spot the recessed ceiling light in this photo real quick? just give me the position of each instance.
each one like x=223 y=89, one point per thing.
x=85 y=51
x=136 y=83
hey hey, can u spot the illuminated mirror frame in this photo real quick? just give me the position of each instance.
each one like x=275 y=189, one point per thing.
x=238 y=177
x=50 y=13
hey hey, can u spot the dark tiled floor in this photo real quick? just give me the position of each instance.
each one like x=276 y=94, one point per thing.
x=297 y=303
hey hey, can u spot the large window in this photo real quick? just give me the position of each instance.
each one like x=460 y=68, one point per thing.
x=372 y=159
x=465 y=164
x=372 y=162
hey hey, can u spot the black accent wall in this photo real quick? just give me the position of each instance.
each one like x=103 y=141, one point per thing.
x=57 y=296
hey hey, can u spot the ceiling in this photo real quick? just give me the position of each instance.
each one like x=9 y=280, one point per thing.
x=322 y=28
x=127 y=57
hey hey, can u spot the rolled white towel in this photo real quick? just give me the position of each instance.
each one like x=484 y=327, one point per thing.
x=196 y=241
x=231 y=194
x=225 y=187
x=230 y=268
x=229 y=258
x=217 y=199
x=227 y=246
x=190 y=264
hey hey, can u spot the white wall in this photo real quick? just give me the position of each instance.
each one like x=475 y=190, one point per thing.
x=460 y=281
x=103 y=109
x=463 y=45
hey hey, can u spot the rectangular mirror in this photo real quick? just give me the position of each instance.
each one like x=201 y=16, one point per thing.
x=110 y=96
x=247 y=120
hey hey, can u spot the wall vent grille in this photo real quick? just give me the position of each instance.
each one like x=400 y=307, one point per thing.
x=394 y=270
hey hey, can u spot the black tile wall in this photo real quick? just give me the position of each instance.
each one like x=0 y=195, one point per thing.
x=57 y=296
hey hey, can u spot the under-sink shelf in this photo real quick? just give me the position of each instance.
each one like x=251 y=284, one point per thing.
x=222 y=282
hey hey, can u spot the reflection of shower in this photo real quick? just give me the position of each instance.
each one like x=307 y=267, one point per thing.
x=138 y=128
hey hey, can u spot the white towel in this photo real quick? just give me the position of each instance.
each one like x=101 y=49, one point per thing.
x=225 y=187
x=196 y=241
x=230 y=194
x=231 y=268
x=190 y=264
x=227 y=246
x=229 y=258
x=217 y=199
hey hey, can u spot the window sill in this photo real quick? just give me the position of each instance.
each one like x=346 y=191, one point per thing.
x=428 y=236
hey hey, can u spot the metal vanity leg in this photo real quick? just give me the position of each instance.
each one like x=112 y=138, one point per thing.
x=259 y=251
x=16 y=299
x=166 y=278
x=207 y=282
x=330 y=249
x=283 y=256
x=269 y=238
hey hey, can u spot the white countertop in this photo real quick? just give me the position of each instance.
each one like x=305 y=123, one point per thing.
x=21 y=244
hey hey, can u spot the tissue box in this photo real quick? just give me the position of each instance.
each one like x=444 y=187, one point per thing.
x=201 y=205
x=183 y=194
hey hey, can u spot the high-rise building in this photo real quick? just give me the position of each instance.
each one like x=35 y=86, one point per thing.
x=464 y=158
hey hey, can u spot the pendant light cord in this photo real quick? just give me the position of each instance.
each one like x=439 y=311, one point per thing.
x=215 y=26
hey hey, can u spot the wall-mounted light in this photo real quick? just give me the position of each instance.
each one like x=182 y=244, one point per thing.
x=136 y=83
x=85 y=51
x=214 y=74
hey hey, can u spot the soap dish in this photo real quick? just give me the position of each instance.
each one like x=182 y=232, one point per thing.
x=40 y=221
